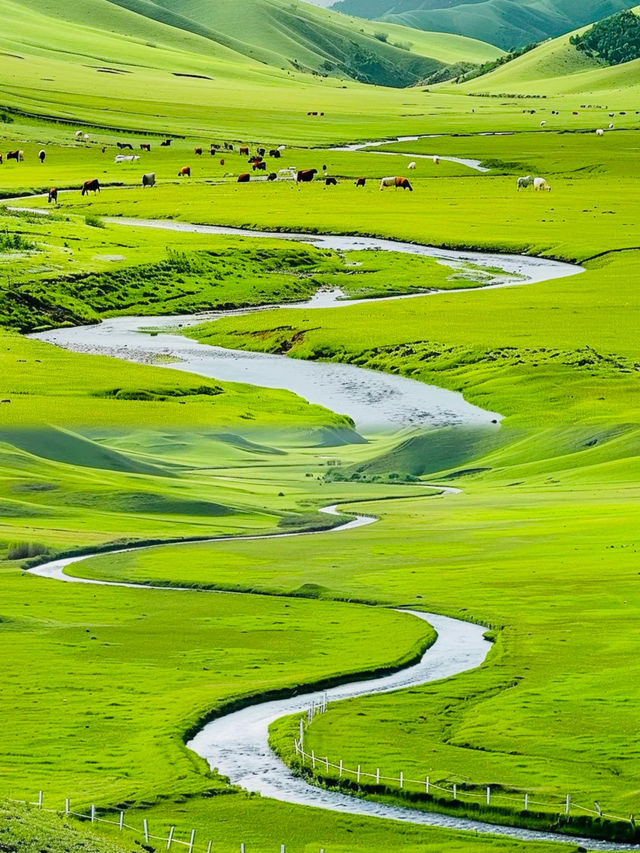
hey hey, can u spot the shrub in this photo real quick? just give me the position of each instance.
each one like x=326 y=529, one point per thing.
x=94 y=221
x=22 y=550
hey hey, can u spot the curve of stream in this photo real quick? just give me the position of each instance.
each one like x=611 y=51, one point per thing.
x=236 y=744
x=372 y=399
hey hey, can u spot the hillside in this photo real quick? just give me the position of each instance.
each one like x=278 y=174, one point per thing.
x=309 y=39
x=507 y=23
x=557 y=67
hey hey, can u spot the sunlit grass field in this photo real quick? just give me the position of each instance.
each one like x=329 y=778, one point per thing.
x=540 y=546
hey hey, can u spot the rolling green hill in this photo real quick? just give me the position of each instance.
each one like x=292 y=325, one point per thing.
x=298 y=35
x=507 y=23
x=557 y=67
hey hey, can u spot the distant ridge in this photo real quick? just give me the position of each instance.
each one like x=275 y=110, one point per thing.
x=506 y=23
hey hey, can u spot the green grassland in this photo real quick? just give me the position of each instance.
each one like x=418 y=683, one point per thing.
x=94 y=452
x=59 y=270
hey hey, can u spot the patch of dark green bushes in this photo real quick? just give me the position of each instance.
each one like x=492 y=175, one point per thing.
x=615 y=39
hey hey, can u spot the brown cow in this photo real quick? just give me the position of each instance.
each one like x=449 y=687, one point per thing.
x=403 y=184
x=145 y=146
x=53 y=196
x=185 y=172
x=361 y=182
x=198 y=151
x=244 y=150
x=244 y=178
x=1 y=160
x=306 y=175
x=91 y=186
x=222 y=162
x=260 y=166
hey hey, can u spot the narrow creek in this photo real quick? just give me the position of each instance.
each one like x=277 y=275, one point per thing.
x=372 y=399
x=236 y=744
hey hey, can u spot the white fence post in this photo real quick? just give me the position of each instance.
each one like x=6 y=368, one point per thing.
x=93 y=814
x=66 y=806
x=39 y=799
x=377 y=775
x=401 y=779
x=488 y=795
x=326 y=761
x=242 y=847
x=145 y=829
x=455 y=791
x=301 y=731
x=526 y=802
x=282 y=850
x=426 y=785
x=313 y=759
x=598 y=809
x=209 y=846
x=191 y=840
x=567 y=804
x=170 y=838
x=358 y=775
x=340 y=768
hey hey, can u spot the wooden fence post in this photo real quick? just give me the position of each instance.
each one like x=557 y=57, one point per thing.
x=170 y=838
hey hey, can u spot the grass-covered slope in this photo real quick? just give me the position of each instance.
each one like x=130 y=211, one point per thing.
x=29 y=830
x=507 y=23
x=558 y=67
x=306 y=38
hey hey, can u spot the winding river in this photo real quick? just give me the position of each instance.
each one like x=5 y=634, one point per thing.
x=236 y=744
x=373 y=400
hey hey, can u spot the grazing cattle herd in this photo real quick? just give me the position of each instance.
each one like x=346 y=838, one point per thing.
x=257 y=162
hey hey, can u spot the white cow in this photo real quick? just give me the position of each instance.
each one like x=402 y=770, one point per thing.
x=543 y=123
x=78 y=134
x=599 y=132
x=540 y=184
x=86 y=137
x=126 y=158
x=411 y=165
x=436 y=159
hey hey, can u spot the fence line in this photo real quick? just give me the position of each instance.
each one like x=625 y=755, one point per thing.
x=487 y=796
x=170 y=840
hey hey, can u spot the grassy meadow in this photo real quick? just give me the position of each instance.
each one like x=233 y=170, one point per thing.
x=102 y=685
